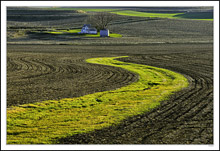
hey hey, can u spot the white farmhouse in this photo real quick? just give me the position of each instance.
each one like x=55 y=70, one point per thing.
x=88 y=29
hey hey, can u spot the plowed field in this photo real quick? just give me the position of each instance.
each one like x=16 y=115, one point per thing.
x=187 y=118
x=52 y=67
x=42 y=72
x=34 y=77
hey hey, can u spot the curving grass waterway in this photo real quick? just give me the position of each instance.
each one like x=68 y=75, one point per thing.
x=45 y=122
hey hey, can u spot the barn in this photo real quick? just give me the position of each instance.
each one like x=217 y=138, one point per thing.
x=88 y=29
x=104 y=33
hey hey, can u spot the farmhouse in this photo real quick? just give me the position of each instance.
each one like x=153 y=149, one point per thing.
x=88 y=29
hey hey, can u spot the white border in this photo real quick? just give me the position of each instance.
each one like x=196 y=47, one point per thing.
x=4 y=4
x=216 y=75
x=110 y=3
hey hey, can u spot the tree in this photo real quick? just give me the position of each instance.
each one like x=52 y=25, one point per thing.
x=101 y=20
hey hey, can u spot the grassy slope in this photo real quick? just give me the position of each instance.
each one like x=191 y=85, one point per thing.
x=143 y=14
x=197 y=16
x=45 y=122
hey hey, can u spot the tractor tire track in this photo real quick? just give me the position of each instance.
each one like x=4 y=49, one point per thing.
x=37 y=77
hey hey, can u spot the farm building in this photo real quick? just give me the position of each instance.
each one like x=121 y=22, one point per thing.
x=104 y=33
x=88 y=29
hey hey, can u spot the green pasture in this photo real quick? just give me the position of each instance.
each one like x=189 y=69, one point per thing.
x=71 y=31
x=192 y=15
x=45 y=122
x=144 y=14
x=75 y=32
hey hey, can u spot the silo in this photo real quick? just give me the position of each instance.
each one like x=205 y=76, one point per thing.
x=104 y=33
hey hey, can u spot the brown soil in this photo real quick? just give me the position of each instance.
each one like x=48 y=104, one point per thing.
x=186 y=118
x=39 y=72
x=38 y=76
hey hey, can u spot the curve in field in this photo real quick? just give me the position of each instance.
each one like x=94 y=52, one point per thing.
x=46 y=122
x=186 y=118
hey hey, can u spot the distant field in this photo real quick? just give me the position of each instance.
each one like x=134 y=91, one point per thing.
x=187 y=15
x=198 y=15
x=83 y=9
x=144 y=14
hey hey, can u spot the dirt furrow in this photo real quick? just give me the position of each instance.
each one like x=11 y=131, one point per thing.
x=189 y=112
x=45 y=76
x=179 y=120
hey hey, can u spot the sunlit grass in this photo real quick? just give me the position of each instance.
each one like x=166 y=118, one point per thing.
x=45 y=122
x=76 y=33
x=165 y=15
x=54 y=32
x=71 y=30
x=144 y=14
x=115 y=35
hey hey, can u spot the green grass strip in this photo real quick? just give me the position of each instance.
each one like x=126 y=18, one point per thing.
x=71 y=31
x=76 y=33
x=193 y=16
x=45 y=122
x=144 y=14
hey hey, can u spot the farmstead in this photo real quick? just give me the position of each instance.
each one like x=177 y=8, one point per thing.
x=88 y=29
